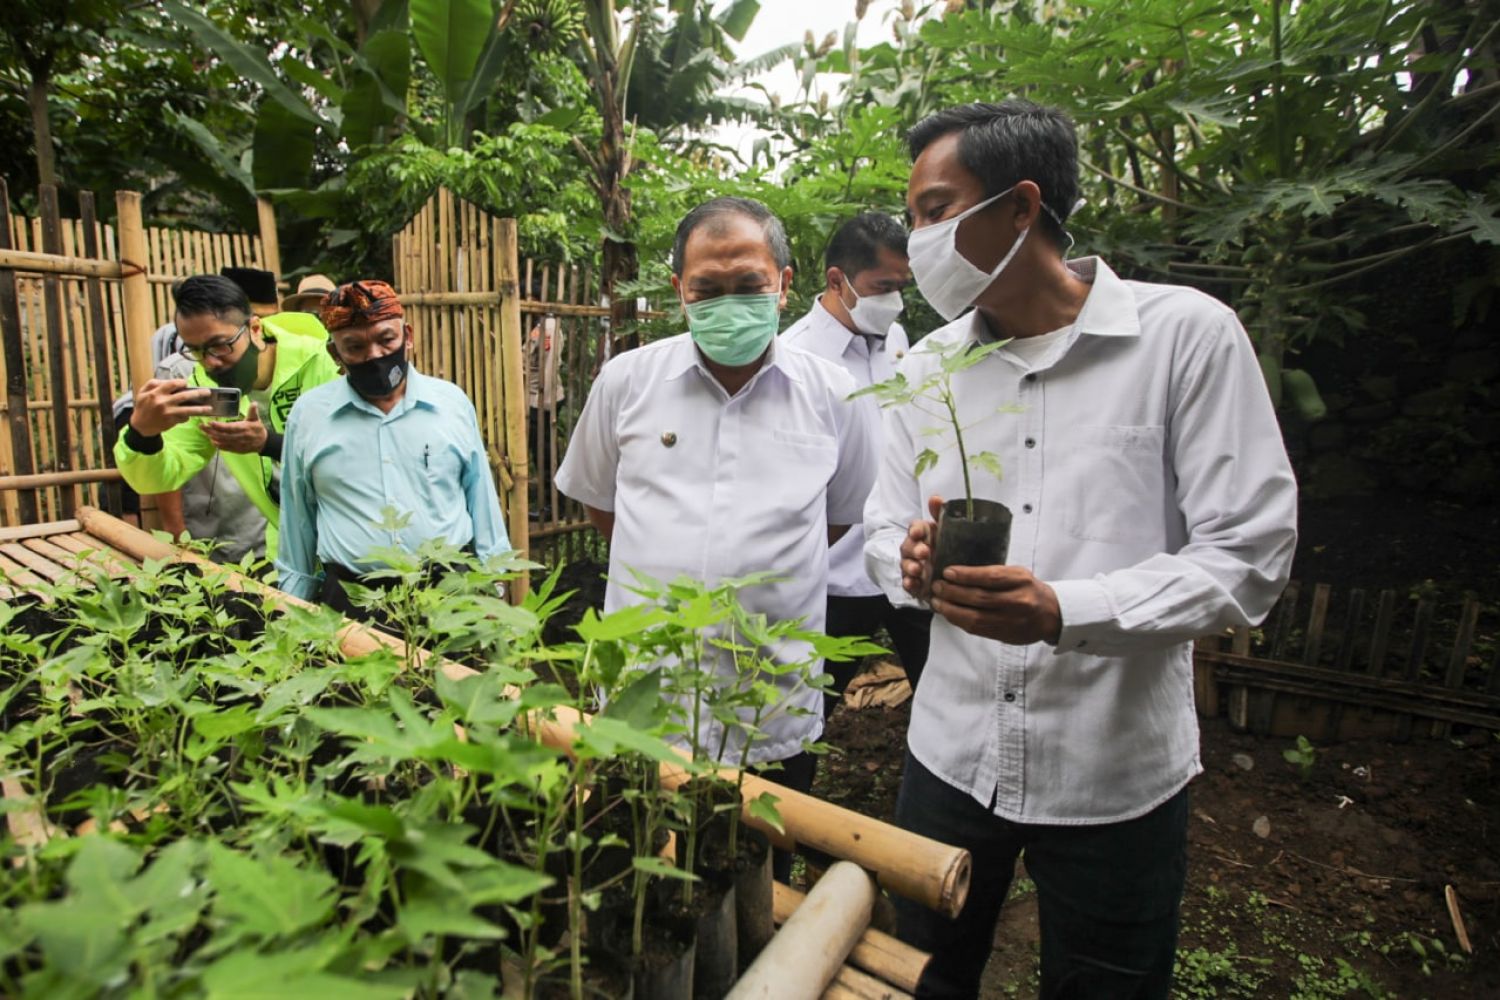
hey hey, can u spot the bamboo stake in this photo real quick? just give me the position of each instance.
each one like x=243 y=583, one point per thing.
x=17 y=423
x=876 y=952
x=270 y=244
x=62 y=431
x=99 y=337
x=1459 y=930
x=513 y=390
x=907 y=864
x=806 y=954
x=137 y=290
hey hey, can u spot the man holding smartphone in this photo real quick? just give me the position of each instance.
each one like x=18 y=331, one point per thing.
x=174 y=432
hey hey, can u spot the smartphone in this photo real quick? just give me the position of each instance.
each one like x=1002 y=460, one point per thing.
x=225 y=402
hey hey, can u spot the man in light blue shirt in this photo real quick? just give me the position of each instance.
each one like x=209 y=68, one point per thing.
x=383 y=440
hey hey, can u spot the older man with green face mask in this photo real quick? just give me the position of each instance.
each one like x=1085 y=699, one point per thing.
x=718 y=453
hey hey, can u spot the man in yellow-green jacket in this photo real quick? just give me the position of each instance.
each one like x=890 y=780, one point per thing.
x=171 y=435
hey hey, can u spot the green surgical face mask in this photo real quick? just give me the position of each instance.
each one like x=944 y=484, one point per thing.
x=733 y=330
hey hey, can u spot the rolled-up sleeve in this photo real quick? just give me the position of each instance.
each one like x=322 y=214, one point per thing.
x=297 y=552
x=1238 y=499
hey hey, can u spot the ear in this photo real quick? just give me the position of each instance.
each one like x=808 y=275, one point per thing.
x=834 y=278
x=786 y=284
x=1028 y=204
x=256 y=333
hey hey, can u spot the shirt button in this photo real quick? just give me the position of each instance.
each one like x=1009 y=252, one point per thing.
x=1026 y=508
x=1010 y=696
x=1031 y=442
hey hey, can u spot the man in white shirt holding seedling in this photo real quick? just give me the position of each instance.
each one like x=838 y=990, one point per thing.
x=853 y=323
x=719 y=453
x=1152 y=502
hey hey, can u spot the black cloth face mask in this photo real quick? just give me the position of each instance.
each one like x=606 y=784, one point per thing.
x=378 y=377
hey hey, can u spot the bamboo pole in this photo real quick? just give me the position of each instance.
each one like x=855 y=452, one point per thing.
x=876 y=952
x=50 y=263
x=18 y=423
x=51 y=480
x=513 y=390
x=850 y=983
x=270 y=243
x=62 y=427
x=907 y=864
x=808 y=951
x=99 y=339
x=480 y=298
x=137 y=290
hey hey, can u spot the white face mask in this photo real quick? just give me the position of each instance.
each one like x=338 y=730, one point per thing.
x=946 y=278
x=873 y=314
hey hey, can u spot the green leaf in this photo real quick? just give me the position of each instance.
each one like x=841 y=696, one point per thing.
x=735 y=19
x=377 y=94
x=424 y=917
x=640 y=703
x=926 y=459
x=249 y=63
x=763 y=808
x=608 y=736
x=269 y=896
x=451 y=35
x=226 y=724
x=661 y=868
x=218 y=154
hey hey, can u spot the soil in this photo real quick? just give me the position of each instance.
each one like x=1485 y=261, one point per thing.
x=1327 y=884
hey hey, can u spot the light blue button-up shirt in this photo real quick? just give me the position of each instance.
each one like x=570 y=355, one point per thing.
x=344 y=462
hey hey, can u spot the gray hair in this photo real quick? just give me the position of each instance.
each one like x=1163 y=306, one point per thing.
x=711 y=212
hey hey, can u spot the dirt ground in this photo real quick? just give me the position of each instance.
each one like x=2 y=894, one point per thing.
x=1318 y=885
x=1344 y=896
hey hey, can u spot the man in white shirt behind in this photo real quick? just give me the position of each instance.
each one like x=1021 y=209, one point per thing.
x=719 y=453
x=1152 y=503
x=853 y=323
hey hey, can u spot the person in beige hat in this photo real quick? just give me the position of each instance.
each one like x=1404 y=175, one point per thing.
x=309 y=294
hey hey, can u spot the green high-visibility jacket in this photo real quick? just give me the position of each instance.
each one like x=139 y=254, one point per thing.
x=302 y=363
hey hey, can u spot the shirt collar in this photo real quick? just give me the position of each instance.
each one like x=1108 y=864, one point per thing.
x=685 y=357
x=825 y=335
x=1109 y=310
x=418 y=393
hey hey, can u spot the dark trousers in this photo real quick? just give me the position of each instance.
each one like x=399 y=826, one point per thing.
x=796 y=773
x=909 y=628
x=1108 y=895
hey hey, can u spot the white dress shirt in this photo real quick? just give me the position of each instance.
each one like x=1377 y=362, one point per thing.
x=712 y=487
x=868 y=360
x=1150 y=488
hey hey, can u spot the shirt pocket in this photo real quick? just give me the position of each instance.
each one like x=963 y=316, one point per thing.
x=796 y=467
x=1116 y=492
x=442 y=479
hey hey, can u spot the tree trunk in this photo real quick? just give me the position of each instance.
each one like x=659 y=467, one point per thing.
x=618 y=261
x=41 y=126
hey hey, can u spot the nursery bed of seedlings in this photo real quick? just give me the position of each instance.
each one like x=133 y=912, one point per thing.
x=211 y=789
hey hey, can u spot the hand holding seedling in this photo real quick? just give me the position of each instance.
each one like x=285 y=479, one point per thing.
x=246 y=436
x=1004 y=603
x=916 y=552
x=162 y=404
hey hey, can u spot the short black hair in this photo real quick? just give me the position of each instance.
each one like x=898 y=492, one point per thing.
x=212 y=295
x=710 y=212
x=856 y=244
x=1006 y=143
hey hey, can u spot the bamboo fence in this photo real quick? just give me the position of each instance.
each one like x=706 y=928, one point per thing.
x=78 y=303
x=474 y=305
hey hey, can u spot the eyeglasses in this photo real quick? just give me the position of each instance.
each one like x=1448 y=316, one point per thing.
x=214 y=348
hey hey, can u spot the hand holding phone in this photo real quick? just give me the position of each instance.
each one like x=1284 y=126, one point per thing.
x=163 y=403
x=245 y=436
